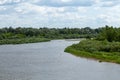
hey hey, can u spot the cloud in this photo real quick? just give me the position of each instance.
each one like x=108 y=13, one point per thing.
x=107 y=3
x=52 y=3
x=2 y=8
x=56 y=13
x=110 y=3
x=66 y=0
x=9 y=2
x=63 y=3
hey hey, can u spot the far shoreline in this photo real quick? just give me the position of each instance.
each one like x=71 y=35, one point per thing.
x=23 y=41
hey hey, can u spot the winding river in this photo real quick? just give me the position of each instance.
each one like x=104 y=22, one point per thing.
x=48 y=61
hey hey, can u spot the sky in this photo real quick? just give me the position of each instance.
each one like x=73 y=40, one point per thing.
x=59 y=13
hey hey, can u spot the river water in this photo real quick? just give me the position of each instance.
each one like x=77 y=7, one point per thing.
x=48 y=61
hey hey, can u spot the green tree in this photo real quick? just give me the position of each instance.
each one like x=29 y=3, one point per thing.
x=108 y=33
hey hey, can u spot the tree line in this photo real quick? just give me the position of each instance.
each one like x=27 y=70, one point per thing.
x=109 y=33
x=50 y=33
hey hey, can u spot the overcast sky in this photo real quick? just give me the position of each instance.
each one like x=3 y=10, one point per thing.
x=59 y=13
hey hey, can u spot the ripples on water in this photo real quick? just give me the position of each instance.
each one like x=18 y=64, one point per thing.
x=48 y=61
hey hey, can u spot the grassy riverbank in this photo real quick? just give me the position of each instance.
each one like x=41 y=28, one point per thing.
x=23 y=40
x=100 y=50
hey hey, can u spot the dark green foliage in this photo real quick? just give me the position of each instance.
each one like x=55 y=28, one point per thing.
x=23 y=40
x=15 y=34
x=102 y=50
x=93 y=46
x=106 y=47
x=52 y=33
x=110 y=34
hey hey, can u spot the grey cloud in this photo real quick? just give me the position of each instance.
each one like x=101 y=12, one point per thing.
x=109 y=5
x=106 y=3
x=109 y=0
x=63 y=4
x=7 y=10
x=10 y=2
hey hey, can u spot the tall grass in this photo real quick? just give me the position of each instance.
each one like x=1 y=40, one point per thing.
x=23 y=40
x=101 y=50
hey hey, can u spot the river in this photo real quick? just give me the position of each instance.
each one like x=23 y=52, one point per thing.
x=48 y=61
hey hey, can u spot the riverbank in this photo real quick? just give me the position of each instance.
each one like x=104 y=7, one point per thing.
x=99 y=50
x=23 y=40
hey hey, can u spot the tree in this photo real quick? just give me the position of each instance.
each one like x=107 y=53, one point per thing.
x=108 y=33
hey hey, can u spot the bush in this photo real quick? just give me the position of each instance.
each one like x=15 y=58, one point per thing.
x=23 y=40
x=102 y=50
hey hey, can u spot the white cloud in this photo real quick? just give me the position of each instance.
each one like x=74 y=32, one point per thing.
x=97 y=1
x=3 y=1
x=82 y=9
x=66 y=0
x=28 y=13
x=9 y=1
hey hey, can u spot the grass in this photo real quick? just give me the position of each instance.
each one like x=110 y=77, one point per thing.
x=23 y=40
x=100 y=50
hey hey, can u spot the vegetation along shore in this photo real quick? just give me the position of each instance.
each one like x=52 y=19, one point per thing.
x=104 y=47
x=21 y=35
